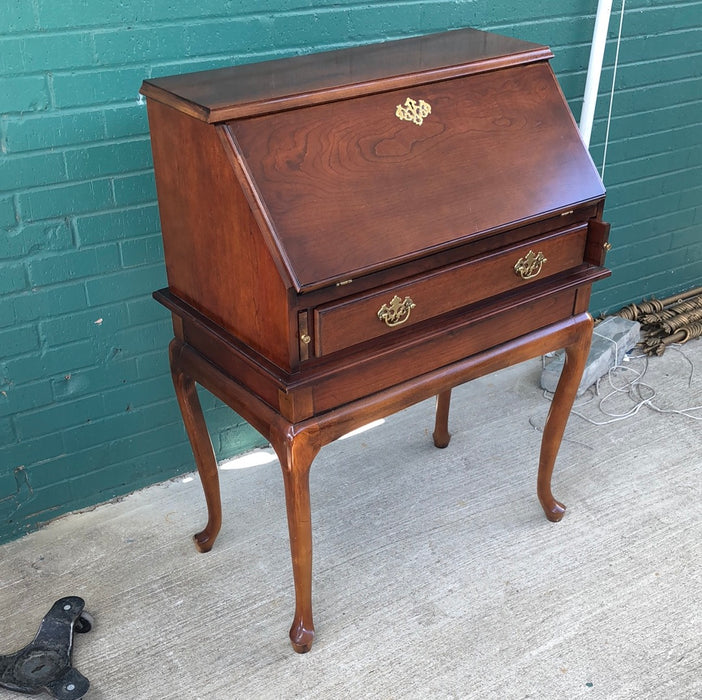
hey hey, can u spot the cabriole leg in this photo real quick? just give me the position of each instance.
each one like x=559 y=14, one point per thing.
x=441 y=436
x=201 y=444
x=296 y=455
x=575 y=359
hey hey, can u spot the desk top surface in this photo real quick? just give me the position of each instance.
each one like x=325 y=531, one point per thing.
x=256 y=88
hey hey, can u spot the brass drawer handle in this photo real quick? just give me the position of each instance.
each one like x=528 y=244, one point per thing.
x=396 y=312
x=530 y=265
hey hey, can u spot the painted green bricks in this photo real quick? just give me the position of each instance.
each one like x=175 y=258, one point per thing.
x=87 y=411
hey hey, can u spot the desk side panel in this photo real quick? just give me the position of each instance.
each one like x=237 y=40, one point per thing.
x=216 y=259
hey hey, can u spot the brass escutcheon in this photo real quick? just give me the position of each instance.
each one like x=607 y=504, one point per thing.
x=413 y=111
x=396 y=312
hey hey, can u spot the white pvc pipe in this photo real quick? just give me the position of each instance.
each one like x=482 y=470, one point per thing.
x=594 y=69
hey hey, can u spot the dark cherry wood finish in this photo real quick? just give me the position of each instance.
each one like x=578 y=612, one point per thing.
x=330 y=262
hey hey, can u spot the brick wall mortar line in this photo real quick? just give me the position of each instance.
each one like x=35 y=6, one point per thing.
x=142 y=409
x=637 y=284
x=613 y=187
x=596 y=146
x=634 y=246
x=649 y=156
x=50 y=89
x=109 y=465
x=619 y=117
x=18 y=210
x=647 y=200
x=78 y=147
x=673 y=5
x=649 y=134
x=146 y=24
x=636 y=225
x=67 y=111
x=195 y=19
x=659 y=174
x=633 y=265
x=648 y=62
x=637 y=88
x=69 y=183
x=200 y=19
x=3 y=134
x=74 y=110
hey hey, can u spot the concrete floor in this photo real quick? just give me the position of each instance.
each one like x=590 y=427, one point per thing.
x=436 y=574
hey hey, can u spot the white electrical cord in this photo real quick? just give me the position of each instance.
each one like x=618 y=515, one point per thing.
x=635 y=389
x=640 y=394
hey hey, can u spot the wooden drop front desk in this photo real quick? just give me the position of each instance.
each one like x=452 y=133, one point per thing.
x=352 y=232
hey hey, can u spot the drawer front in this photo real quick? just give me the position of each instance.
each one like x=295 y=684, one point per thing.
x=368 y=373
x=345 y=323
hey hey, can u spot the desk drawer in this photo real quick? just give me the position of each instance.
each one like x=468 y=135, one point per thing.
x=357 y=319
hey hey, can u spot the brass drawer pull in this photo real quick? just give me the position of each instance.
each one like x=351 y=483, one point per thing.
x=530 y=265
x=396 y=312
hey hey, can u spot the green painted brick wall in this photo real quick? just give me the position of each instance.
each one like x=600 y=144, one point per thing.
x=87 y=410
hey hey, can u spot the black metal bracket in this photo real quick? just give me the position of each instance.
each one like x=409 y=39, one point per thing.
x=44 y=665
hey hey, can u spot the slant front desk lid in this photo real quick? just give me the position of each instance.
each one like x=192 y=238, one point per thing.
x=449 y=137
